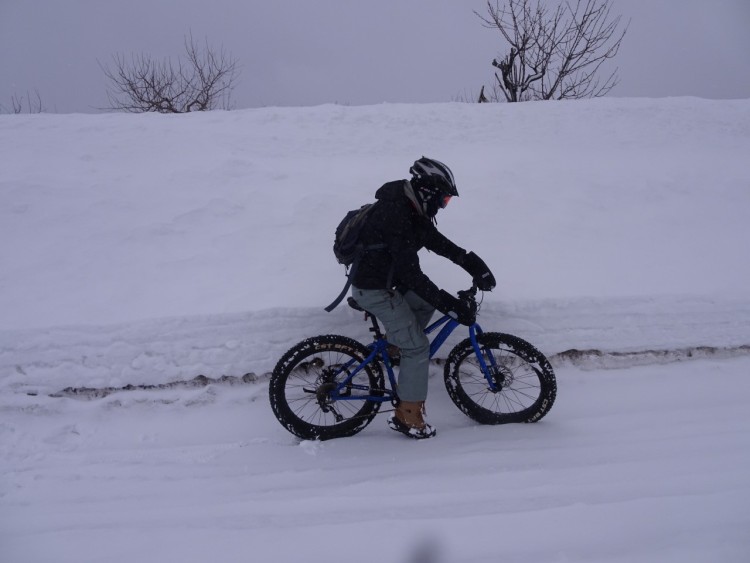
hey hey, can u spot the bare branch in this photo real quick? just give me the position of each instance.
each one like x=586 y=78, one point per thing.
x=554 y=54
x=202 y=81
x=24 y=104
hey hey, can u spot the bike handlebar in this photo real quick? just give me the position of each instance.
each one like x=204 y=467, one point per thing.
x=469 y=296
x=470 y=293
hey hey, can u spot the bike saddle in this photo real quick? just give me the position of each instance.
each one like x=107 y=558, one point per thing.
x=357 y=307
x=354 y=305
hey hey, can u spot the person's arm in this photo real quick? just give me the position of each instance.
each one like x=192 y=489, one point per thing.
x=473 y=264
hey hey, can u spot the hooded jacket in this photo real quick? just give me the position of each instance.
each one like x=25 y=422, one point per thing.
x=398 y=221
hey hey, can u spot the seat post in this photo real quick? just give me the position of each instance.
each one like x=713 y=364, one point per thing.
x=375 y=329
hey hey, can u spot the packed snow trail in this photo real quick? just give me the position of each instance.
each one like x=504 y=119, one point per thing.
x=645 y=464
x=162 y=351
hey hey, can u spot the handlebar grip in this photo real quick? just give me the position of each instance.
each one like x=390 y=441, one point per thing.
x=471 y=292
x=468 y=293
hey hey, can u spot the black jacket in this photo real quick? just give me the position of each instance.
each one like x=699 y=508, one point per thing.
x=396 y=222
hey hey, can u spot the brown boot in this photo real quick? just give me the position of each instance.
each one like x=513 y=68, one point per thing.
x=409 y=419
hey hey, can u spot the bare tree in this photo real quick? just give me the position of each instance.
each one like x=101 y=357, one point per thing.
x=554 y=54
x=202 y=80
x=27 y=104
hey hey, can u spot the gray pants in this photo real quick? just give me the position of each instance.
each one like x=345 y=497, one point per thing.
x=404 y=318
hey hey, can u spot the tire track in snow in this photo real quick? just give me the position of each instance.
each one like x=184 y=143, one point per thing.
x=583 y=359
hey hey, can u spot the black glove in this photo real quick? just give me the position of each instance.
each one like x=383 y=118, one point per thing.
x=463 y=310
x=479 y=271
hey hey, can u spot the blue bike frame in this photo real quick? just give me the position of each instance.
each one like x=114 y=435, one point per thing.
x=380 y=347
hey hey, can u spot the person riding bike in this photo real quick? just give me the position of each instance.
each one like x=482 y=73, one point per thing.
x=390 y=284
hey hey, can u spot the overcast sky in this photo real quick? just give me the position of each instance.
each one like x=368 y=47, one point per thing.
x=306 y=52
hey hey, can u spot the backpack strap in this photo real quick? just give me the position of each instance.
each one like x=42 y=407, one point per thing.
x=353 y=270
x=340 y=297
x=347 y=285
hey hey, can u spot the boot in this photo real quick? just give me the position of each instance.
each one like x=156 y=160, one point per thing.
x=409 y=420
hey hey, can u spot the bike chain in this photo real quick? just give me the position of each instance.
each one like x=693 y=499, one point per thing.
x=380 y=411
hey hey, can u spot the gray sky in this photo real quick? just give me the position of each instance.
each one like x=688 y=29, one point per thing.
x=305 y=52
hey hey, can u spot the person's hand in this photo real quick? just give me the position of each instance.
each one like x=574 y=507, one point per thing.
x=463 y=310
x=478 y=270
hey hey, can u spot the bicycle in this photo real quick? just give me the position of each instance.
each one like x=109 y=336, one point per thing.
x=332 y=386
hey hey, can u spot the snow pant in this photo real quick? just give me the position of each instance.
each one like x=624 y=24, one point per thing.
x=404 y=317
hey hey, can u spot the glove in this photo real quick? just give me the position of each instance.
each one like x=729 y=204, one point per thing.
x=463 y=310
x=479 y=271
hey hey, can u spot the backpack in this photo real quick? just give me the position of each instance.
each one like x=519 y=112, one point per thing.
x=347 y=247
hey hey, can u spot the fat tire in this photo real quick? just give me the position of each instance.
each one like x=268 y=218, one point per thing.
x=303 y=366
x=527 y=374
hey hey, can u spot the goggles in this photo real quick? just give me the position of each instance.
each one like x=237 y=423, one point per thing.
x=444 y=201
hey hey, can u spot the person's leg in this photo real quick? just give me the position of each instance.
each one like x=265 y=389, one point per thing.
x=422 y=309
x=404 y=328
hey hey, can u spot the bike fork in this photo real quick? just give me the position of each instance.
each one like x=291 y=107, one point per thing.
x=475 y=331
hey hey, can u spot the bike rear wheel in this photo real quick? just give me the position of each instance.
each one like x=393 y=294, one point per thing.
x=304 y=378
x=524 y=382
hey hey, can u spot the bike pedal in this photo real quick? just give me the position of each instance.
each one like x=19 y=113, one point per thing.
x=394 y=354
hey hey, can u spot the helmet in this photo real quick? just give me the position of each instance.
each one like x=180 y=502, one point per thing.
x=433 y=184
x=431 y=173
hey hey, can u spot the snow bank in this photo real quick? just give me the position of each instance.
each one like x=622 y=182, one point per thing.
x=136 y=247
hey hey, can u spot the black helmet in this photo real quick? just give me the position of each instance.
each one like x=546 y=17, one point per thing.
x=433 y=174
x=433 y=184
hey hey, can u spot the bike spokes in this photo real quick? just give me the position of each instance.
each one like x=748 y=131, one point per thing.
x=320 y=388
x=508 y=381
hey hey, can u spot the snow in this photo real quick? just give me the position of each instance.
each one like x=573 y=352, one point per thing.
x=146 y=250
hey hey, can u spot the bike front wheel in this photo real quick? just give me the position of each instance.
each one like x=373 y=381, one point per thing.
x=303 y=382
x=521 y=385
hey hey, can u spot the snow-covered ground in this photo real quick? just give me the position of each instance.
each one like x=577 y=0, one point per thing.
x=147 y=250
x=645 y=464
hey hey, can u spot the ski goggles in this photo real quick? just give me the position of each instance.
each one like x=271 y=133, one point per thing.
x=444 y=201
